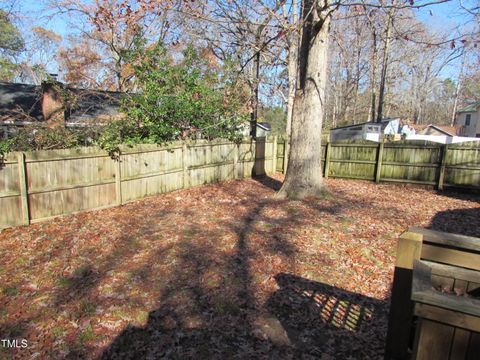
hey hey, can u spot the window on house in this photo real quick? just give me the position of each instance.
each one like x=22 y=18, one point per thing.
x=478 y=135
x=467 y=119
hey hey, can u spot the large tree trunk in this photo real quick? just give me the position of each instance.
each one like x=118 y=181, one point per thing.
x=304 y=171
x=386 y=53
x=292 y=73
x=457 y=90
x=292 y=66
x=373 y=76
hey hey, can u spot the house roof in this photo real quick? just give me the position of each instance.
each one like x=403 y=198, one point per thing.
x=20 y=102
x=88 y=105
x=469 y=108
x=384 y=122
x=264 y=125
x=447 y=130
x=23 y=102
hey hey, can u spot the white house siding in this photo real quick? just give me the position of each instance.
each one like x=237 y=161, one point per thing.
x=473 y=129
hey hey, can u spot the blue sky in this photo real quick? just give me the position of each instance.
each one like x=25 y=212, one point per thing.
x=440 y=16
x=445 y=17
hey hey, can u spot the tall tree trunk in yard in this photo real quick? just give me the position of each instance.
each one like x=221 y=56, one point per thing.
x=373 y=75
x=254 y=114
x=292 y=65
x=457 y=90
x=383 y=75
x=304 y=172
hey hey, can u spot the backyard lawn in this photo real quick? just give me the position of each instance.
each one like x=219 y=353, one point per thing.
x=221 y=271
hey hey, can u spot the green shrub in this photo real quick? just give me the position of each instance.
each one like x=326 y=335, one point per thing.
x=188 y=99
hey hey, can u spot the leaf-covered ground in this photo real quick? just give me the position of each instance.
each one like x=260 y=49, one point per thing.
x=222 y=271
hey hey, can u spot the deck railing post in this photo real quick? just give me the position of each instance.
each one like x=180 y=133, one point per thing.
x=409 y=248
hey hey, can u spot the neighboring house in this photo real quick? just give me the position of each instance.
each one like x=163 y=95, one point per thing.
x=439 y=134
x=263 y=129
x=438 y=130
x=468 y=120
x=366 y=131
x=22 y=105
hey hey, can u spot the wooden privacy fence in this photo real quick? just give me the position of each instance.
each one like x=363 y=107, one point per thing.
x=39 y=185
x=404 y=162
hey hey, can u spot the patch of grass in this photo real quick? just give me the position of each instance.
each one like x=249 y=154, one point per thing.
x=87 y=308
x=87 y=335
x=10 y=291
x=188 y=233
x=81 y=271
x=369 y=255
x=122 y=314
x=3 y=313
x=58 y=331
x=64 y=281
x=141 y=317
x=21 y=262
x=293 y=211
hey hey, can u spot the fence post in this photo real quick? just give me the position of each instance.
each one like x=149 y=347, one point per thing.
x=378 y=170
x=327 y=160
x=443 y=162
x=235 y=160
x=185 y=165
x=22 y=174
x=118 y=181
x=409 y=248
x=274 y=167
x=286 y=149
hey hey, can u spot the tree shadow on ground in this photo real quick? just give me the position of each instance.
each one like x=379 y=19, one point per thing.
x=209 y=306
x=467 y=194
x=458 y=221
x=302 y=319
x=201 y=279
x=324 y=319
x=269 y=182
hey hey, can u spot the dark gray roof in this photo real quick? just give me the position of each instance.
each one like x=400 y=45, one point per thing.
x=23 y=102
x=87 y=105
x=20 y=102
x=264 y=125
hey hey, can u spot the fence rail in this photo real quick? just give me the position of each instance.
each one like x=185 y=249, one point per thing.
x=39 y=185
